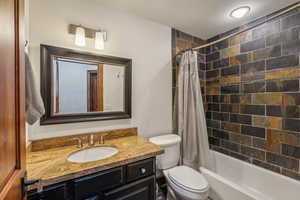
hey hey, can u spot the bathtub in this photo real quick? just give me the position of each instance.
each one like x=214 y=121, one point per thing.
x=237 y=180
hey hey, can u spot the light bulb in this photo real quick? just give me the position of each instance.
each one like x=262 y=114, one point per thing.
x=80 y=36
x=99 y=40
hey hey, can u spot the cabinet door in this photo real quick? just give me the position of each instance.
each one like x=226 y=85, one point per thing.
x=140 y=190
x=92 y=186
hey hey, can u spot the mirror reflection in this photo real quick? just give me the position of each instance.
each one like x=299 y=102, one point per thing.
x=85 y=87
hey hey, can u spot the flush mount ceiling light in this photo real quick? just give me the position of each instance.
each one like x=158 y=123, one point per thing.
x=240 y=12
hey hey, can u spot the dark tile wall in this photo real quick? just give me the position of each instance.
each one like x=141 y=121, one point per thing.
x=252 y=95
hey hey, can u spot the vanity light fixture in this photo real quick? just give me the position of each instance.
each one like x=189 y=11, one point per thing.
x=100 y=37
x=80 y=36
x=81 y=33
x=240 y=12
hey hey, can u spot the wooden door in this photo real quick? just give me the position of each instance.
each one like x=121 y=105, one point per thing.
x=12 y=106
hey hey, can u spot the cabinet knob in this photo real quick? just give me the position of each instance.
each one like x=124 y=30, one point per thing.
x=143 y=170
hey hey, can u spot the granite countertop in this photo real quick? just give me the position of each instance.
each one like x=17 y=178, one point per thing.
x=51 y=166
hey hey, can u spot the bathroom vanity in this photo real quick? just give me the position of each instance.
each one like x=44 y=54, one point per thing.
x=127 y=175
x=134 y=181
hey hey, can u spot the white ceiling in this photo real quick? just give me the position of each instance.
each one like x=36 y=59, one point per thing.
x=202 y=18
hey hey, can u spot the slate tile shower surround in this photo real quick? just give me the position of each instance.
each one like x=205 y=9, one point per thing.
x=250 y=85
x=252 y=95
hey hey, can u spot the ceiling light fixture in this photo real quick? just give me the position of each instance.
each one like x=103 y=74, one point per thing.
x=240 y=12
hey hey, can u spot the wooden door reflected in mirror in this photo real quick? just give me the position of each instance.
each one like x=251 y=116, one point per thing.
x=95 y=90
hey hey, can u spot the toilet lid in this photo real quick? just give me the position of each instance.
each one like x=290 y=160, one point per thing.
x=188 y=178
x=165 y=140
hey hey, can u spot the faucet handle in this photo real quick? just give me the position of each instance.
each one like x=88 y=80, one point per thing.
x=102 y=138
x=79 y=142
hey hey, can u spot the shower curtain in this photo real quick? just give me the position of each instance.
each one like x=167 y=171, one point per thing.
x=189 y=115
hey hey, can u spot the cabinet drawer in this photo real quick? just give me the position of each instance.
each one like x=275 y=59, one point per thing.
x=95 y=184
x=140 y=169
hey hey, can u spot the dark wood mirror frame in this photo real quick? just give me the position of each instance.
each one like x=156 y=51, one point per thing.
x=47 y=53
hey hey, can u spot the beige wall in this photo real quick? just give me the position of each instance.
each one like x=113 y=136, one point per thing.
x=146 y=42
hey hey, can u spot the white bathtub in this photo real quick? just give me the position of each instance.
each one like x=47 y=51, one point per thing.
x=237 y=180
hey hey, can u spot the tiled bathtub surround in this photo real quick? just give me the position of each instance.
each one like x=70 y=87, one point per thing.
x=253 y=97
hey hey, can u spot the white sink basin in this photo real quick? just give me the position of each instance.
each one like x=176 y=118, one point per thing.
x=92 y=154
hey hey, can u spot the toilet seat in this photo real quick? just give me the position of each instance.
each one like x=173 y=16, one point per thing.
x=188 y=179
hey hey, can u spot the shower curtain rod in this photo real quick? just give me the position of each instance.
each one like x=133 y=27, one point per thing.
x=242 y=31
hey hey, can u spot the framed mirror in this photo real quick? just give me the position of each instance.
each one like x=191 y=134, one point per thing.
x=79 y=86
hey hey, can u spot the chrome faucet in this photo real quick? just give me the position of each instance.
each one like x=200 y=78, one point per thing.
x=79 y=142
x=102 y=138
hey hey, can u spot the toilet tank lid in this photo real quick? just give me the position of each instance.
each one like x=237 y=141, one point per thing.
x=165 y=140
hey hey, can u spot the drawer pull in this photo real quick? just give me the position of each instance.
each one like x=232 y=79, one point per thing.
x=143 y=170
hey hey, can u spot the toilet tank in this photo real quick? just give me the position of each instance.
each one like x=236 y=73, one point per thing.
x=171 y=145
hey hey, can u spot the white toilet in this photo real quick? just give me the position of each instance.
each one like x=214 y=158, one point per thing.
x=185 y=182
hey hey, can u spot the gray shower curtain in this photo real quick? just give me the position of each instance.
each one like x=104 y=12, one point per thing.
x=189 y=114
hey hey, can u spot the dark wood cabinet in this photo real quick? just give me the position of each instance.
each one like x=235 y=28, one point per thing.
x=134 y=181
